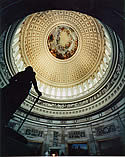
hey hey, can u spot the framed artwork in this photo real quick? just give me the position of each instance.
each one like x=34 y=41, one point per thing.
x=78 y=149
x=110 y=146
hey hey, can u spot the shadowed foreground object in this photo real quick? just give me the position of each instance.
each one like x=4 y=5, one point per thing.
x=14 y=94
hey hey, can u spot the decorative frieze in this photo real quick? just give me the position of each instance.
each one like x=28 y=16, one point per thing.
x=33 y=132
x=76 y=134
x=104 y=130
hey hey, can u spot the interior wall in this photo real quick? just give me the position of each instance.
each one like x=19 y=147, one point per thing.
x=101 y=135
x=101 y=131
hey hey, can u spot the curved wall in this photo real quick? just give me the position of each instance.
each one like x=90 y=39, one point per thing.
x=95 y=130
x=106 y=125
x=100 y=98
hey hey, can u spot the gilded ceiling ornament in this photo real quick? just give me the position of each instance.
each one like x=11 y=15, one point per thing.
x=65 y=48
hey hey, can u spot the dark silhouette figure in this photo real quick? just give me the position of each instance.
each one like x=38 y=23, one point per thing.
x=16 y=92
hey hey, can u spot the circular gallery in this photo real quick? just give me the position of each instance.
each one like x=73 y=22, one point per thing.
x=78 y=59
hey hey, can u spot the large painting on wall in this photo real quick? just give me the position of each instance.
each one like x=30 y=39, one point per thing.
x=111 y=147
x=78 y=149
x=36 y=147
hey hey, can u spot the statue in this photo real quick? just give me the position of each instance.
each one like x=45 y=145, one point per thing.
x=16 y=92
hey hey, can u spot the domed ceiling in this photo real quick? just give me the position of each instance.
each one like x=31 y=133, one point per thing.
x=69 y=51
x=64 y=48
x=79 y=62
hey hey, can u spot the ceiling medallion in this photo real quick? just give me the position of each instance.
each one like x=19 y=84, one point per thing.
x=62 y=42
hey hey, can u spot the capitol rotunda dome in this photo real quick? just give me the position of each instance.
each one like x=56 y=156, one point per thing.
x=72 y=55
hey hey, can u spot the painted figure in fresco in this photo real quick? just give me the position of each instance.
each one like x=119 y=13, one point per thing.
x=17 y=90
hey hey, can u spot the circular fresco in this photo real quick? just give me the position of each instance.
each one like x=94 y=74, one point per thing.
x=62 y=42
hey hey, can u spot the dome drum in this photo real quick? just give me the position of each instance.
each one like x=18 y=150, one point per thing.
x=74 y=85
